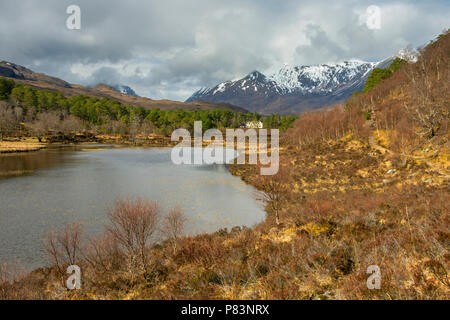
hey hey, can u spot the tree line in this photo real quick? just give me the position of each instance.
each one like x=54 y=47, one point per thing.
x=378 y=74
x=33 y=106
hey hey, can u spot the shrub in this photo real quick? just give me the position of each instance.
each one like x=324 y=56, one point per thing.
x=64 y=247
x=173 y=225
x=133 y=224
x=103 y=253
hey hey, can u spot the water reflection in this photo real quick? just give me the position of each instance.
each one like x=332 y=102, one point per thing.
x=69 y=184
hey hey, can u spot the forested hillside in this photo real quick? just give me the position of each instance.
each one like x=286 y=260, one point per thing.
x=42 y=112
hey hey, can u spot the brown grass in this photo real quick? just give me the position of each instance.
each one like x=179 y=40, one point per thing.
x=20 y=146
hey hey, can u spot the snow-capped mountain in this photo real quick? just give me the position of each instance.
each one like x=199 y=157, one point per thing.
x=292 y=89
x=125 y=90
x=321 y=79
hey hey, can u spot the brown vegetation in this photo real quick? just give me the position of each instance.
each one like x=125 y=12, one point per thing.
x=173 y=226
x=20 y=146
x=275 y=190
x=63 y=247
x=132 y=225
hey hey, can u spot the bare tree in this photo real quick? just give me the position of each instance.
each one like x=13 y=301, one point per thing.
x=103 y=252
x=114 y=127
x=173 y=225
x=18 y=112
x=69 y=125
x=275 y=190
x=429 y=79
x=10 y=273
x=45 y=122
x=135 y=126
x=319 y=126
x=133 y=224
x=63 y=247
x=8 y=120
x=147 y=128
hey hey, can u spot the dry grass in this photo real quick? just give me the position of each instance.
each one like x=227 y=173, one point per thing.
x=20 y=146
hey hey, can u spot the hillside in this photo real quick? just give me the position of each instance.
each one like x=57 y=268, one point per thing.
x=365 y=183
x=41 y=81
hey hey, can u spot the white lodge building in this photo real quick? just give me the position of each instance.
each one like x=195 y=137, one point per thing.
x=254 y=125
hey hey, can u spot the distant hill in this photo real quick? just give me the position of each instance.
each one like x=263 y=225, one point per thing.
x=122 y=94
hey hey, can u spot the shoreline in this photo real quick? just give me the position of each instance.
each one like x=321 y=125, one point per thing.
x=24 y=145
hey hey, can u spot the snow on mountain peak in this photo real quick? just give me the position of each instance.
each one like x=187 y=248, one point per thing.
x=220 y=88
x=311 y=79
x=291 y=88
x=318 y=77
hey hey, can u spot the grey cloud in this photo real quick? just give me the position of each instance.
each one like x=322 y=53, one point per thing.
x=106 y=75
x=321 y=49
x=168 y=49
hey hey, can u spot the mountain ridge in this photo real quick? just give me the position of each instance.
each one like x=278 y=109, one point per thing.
x=293 y=89
x=42 y=81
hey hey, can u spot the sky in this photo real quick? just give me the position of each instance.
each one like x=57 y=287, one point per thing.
x=169 y=49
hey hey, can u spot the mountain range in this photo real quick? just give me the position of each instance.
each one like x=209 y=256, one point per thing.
x=294 y=89
x=289 y=90
x=121 y=93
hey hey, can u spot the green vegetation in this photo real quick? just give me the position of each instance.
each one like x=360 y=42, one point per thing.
x=110 y=116
x=277 y=121
x=377 y=75
x=6 y=87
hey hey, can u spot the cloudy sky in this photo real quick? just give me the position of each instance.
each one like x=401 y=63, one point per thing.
x=169 y=49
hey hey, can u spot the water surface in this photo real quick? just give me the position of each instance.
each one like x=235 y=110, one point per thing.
x=51 y=187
